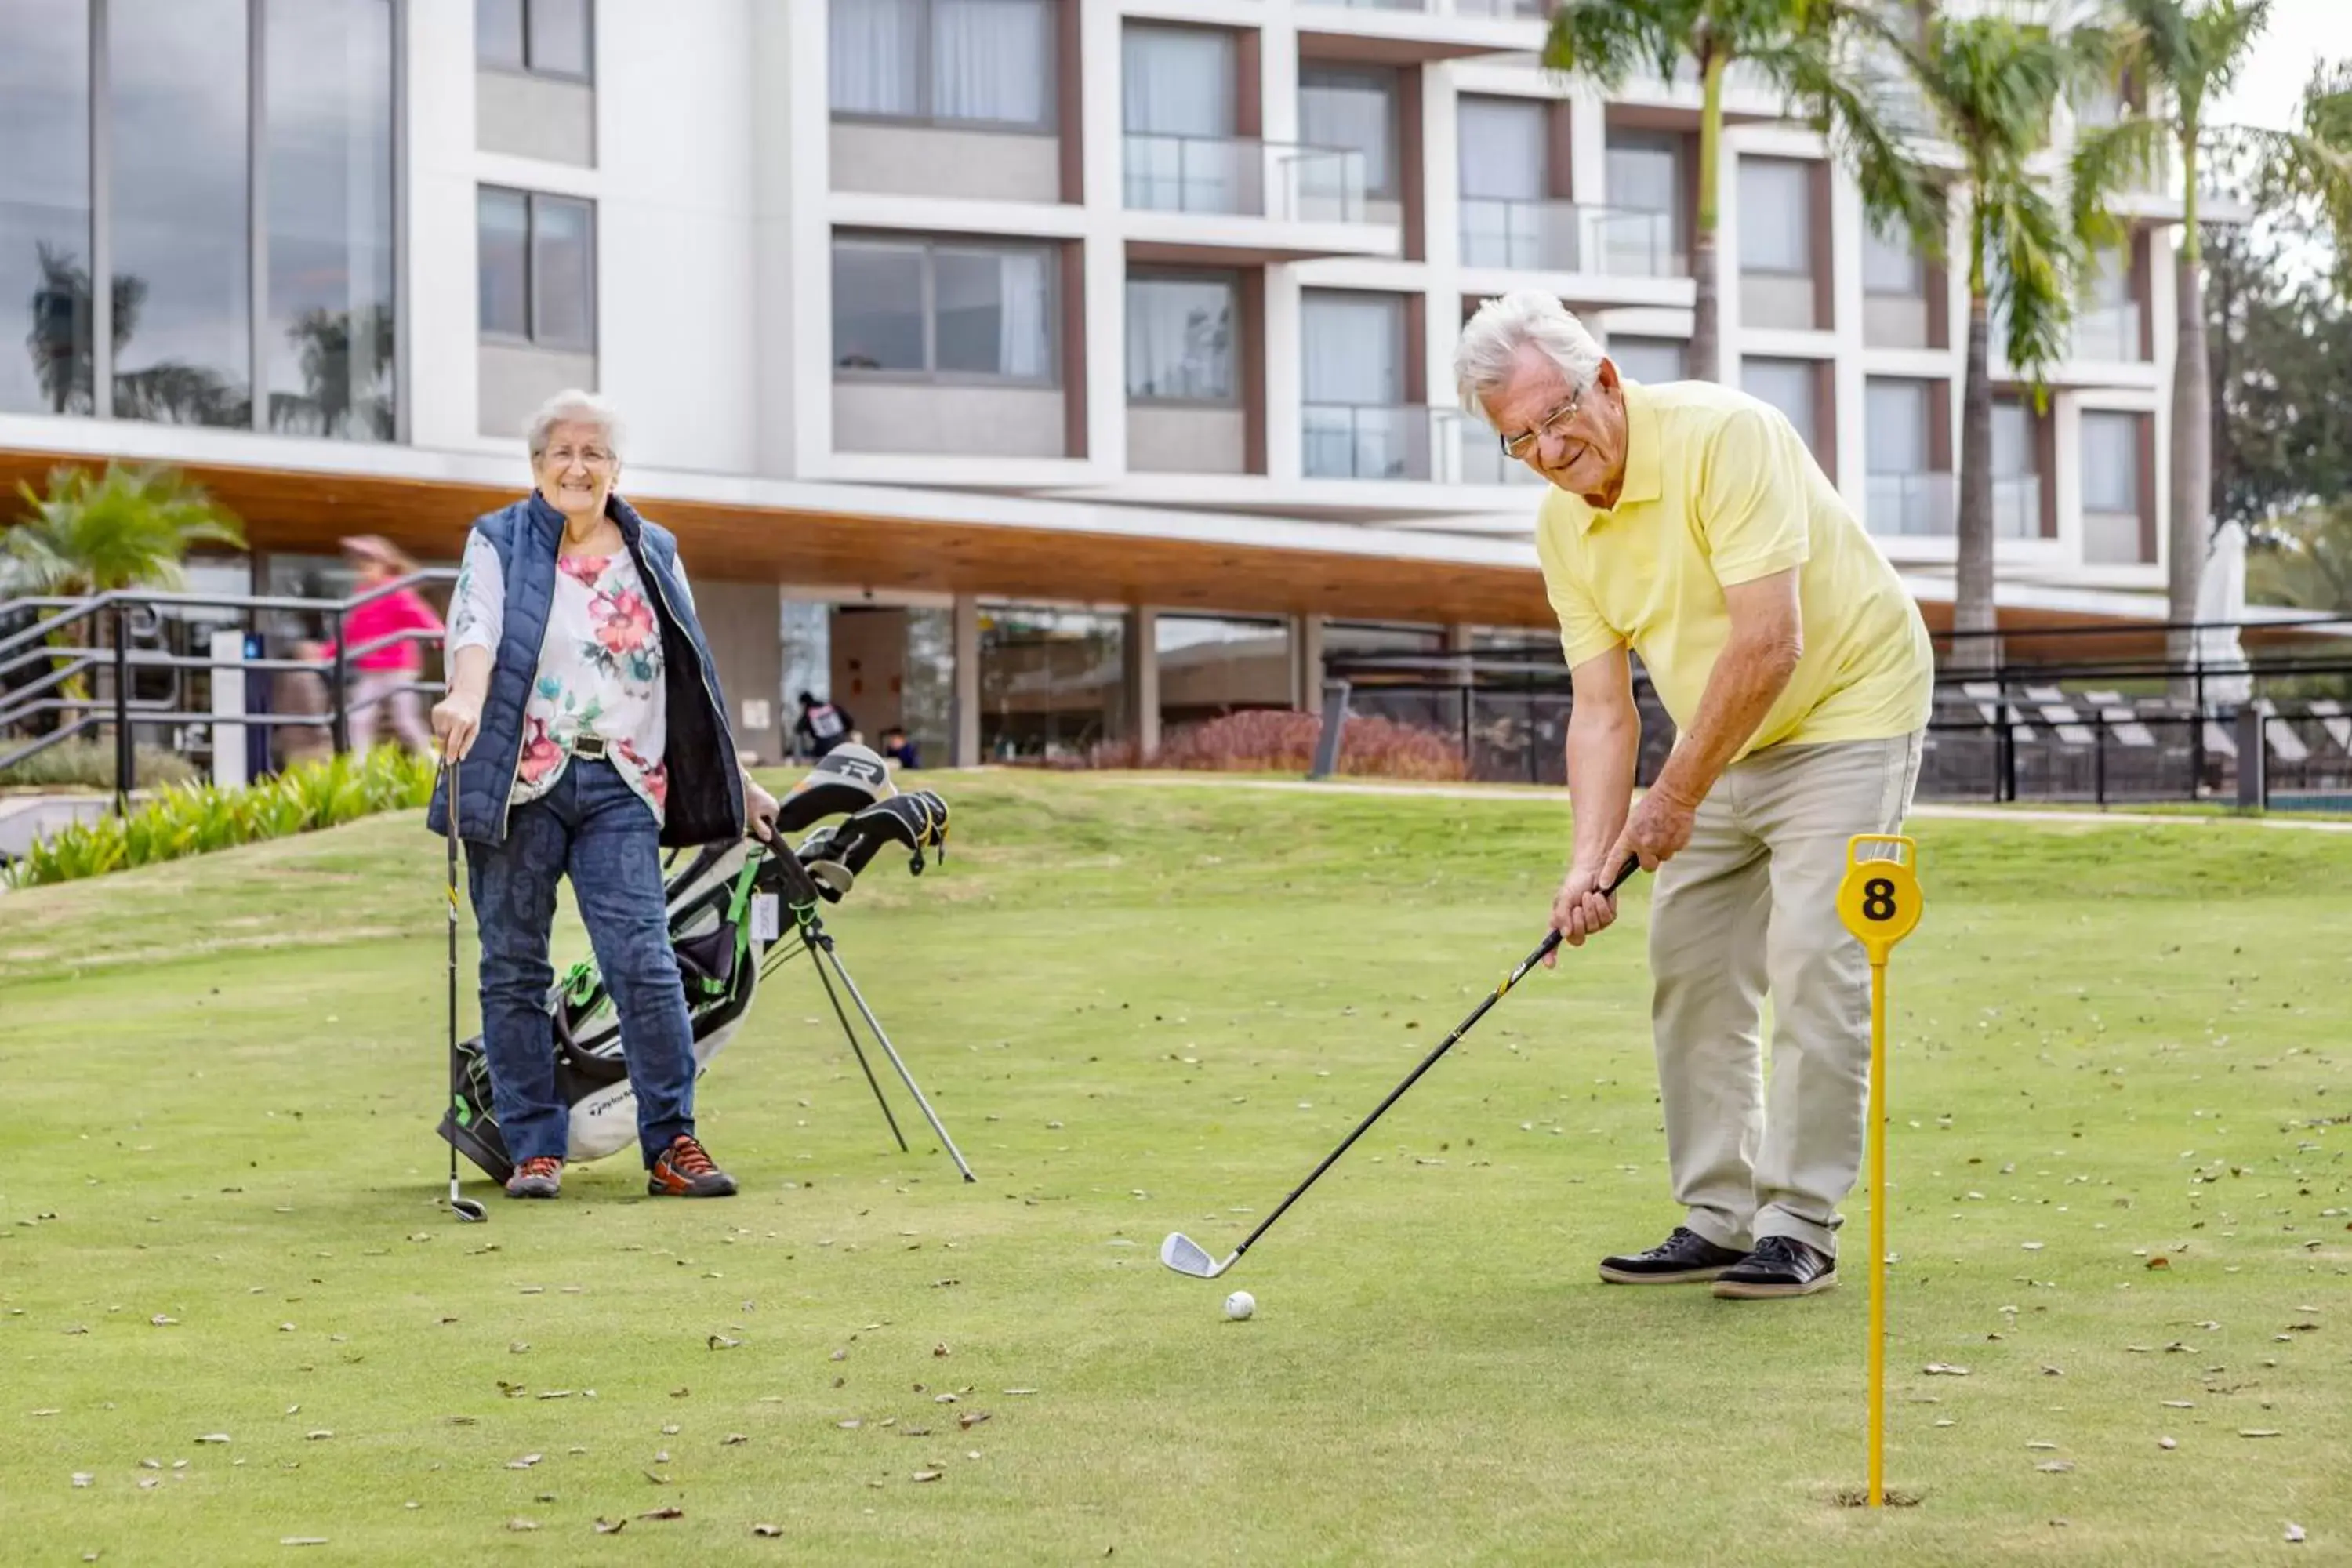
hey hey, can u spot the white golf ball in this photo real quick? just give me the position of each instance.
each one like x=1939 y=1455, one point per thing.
x=1240 y=1305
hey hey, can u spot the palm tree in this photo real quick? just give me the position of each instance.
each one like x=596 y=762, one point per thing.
x=92 y=534
x=2187 y=52
x=1802 y=47
x=59 y=341
x=1991 y=84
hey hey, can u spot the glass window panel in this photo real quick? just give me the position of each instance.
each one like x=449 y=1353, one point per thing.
x=559 y=41
x=328 y=347
x=1354 y=347
x=562 y=272
x=181 y=244
x=875 y=53
x=1176 y=81
x=1179 y=339
x=878 y=306
x=1503 y=148
x=44 y=239
x=2012 y=439
x=498 y=34
x=993 y=60
x=1647 y=359
x=2111 y=462
x=504 y=252
x=1212 y=667
x=1788 y=385
x=992 y=313
x=1352 y=108
x=1052 y=681
x=1775 y=216
x=1894 y=425
x=1889 y=265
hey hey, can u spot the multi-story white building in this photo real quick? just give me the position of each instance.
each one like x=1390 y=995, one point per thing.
x=1057 y=366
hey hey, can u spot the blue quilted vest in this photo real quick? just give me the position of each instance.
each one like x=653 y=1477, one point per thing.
x=704 y=804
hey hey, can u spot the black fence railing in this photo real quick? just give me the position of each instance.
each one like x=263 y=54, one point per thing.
x=2117 y=722
x=124 y=664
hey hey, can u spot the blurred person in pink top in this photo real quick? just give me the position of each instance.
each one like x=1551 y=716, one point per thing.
x=384 y=676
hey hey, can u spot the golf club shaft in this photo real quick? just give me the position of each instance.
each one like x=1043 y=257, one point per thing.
x=1550 y=943
x=449 y=776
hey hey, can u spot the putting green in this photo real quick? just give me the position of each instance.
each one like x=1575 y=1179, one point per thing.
x=2120 y=1101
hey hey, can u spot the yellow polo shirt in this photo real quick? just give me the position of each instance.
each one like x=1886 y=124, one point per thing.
x=1720 y=490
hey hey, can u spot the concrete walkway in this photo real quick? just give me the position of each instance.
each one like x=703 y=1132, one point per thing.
x=2085 y=818
x=25 y=818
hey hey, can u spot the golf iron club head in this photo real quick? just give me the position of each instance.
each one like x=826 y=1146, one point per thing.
x=467 y=1209
x=1184 y=1254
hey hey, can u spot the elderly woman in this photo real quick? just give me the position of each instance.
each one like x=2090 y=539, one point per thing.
x=587 y=730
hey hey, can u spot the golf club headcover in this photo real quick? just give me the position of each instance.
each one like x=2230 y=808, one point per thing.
x=846 y=779
x=836 y=855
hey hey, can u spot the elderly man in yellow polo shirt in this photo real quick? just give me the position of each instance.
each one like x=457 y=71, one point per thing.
x=1689 y=523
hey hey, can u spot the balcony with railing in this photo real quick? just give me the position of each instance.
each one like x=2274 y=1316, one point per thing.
x=2107 y=335
x=2017 y=506
x=1378 y=441
x=1242 y=176
x=1520 y=234
x=1911 y=506
x=1484 y=462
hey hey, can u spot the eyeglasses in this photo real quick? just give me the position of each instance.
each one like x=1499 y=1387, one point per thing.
x=1517 y=447
x=589 y=457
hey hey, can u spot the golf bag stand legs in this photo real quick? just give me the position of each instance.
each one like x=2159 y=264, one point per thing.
x=819 y=943
x=850 y=1033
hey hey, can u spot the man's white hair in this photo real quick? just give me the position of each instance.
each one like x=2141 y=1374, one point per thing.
x=1491 y=341
x=574 y=406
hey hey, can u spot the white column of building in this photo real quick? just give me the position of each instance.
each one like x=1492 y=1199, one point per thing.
x=1847 y=221
x=1141 y=673
x=1278 y=121
x=1307 y=663
x=965 y=708
x=1441 y=187
x=1104 y=149
x=791 y=218
x=441 y=321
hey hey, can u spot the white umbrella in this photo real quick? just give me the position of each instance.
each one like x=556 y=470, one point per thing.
x=2221 y=597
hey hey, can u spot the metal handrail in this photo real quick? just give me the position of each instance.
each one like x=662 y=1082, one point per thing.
x=32 y=646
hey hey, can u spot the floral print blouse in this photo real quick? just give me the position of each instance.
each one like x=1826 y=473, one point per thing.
x=600 y=668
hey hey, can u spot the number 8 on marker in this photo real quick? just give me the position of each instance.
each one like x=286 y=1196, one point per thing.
x=1879 y=900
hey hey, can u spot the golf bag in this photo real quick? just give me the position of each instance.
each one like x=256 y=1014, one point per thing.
x=735 y=911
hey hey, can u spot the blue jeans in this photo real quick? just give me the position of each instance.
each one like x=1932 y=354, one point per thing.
x=593 y=827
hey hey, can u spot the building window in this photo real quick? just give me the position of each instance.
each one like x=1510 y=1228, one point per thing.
x=537 y=262
x=1505 y=169
x=1354 y=423
x=1890 y=266
x=1776 y=218
x=950 y=309
x=1905 y=496
x=544 y=38
x=986 y=62
x=189 y=341
x=1649 y=359
x=1353 y=108
x=1210 y=666
x=1052 y=680
x=1179 y=339
x=2114 y=526
x=1177 y=81
x=2016 y=479
x=1788 y=385
x=1643 y=237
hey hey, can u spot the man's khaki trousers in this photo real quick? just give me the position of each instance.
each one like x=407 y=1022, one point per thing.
x=1750 y=905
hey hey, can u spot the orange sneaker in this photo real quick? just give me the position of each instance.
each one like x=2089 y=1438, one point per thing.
x=537 y=1178
x=686 y=1170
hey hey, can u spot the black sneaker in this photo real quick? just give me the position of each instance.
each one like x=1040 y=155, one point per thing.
x=1684 y=1258
x=1780 y=1266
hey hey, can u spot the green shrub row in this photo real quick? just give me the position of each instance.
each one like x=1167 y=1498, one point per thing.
x=196 y=819
x=90 y=764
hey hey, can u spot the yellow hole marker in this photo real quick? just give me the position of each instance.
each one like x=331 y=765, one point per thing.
x=1879 y=901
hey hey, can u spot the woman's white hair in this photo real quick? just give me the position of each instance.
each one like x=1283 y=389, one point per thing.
x=574 y=406
x=1491 y=341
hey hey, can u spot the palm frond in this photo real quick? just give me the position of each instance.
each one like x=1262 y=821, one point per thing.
x=2034 y=286
x=1859 y=119
x=2220 y=35
x=2108 y=159
x=1607 y=40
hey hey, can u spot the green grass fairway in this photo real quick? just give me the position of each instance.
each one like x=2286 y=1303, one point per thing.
x=1144 y=1005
